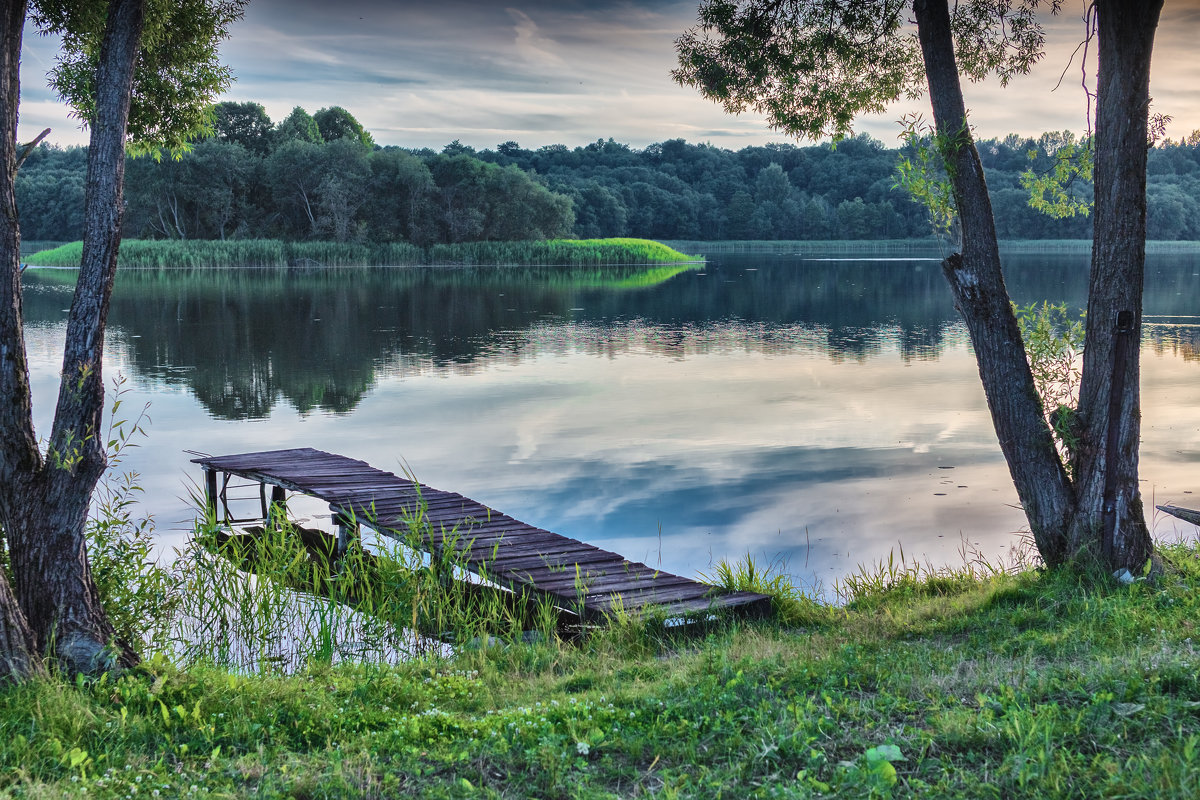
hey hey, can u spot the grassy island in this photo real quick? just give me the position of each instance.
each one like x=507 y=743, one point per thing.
x=191 y=254
x=950 y=685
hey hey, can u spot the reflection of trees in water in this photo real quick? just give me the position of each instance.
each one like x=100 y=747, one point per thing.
x=243 y=340
x=1180 y=341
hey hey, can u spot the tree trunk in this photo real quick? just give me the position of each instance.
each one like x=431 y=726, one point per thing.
x=46 y=503
x=1109 y=522
x=977 y=283
x=18 y=651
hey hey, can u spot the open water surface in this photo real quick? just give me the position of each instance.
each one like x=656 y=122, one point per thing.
x=816 y=413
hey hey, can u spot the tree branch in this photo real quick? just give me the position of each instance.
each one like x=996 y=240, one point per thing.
x=29 y=149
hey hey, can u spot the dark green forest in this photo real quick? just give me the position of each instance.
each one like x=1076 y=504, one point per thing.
x=323 y=177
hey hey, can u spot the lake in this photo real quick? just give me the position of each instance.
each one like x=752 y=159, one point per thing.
x=814 y=413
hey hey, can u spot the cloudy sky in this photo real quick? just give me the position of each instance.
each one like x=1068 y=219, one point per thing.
x=421 y=74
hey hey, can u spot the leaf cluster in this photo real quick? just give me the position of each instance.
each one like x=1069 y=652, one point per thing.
x=1054 y=190
x=1054 y=346
x=177 y=75
x=812 y=66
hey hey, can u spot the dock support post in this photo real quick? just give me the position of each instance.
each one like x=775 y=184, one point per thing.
x=347 y=528
x=210 y=491
x=277 y=512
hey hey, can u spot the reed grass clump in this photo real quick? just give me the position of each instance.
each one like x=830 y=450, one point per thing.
x=281 y=597
x=241 y=253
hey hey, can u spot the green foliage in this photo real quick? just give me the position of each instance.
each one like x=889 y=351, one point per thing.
x=923 y=175
x=178 y=71
x=138 y=593
x=193 y=254
x=1054 y=346
x=559 y=251
x=1059 y=189
x=812 y=66
x=298 y=125
x=246 y=124
x=790 y=605
x=336 y=122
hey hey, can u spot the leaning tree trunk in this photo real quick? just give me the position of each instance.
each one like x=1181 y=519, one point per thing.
x=977 y=283
x=1109 y=521
x=18 y=650
x=47 y=510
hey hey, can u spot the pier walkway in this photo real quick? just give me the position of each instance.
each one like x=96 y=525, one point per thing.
x=573 y=575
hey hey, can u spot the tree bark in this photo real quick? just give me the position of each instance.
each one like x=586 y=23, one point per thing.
x=977 y=283
x=46 y=502
x=1109 y=522
x=18 y=651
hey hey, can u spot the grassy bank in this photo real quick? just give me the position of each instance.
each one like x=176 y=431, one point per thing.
x=171 y=254
x=1033 y=685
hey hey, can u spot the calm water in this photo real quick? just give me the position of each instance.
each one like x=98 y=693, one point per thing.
x=815 y=412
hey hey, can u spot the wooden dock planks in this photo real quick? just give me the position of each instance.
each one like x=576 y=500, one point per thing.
x=572 y=574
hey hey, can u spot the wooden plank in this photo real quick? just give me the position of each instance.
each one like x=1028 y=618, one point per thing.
x=559 y=561
x=1185 y=514
x=612 y=584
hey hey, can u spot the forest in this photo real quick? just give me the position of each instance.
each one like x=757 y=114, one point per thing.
x=322 y=177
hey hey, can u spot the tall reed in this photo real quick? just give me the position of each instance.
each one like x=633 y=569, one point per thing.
x=272 y=602
x=236 y=253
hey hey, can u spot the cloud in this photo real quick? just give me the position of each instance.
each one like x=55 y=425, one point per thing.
x=421 y=74
x=530 y=44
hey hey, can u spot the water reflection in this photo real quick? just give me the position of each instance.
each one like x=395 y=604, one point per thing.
x=821 y=411
x=244 y=340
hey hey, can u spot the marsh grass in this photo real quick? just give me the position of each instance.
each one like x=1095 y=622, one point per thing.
x=241 y=253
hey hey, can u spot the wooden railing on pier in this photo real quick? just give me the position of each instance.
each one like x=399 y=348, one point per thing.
x=574 y=576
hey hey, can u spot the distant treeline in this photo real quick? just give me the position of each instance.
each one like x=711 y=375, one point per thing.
x=321 y=177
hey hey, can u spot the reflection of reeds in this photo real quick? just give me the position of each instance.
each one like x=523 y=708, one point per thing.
x=236 y=253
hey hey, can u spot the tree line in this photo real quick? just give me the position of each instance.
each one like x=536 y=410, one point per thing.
x=322 y=177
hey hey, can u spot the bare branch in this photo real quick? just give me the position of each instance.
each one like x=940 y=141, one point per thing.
x=29 y=148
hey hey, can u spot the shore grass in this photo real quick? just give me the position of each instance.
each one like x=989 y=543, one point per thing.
x=1036 y=684
x=237 y=253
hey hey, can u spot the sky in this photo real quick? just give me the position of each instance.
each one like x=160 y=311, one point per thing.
x=539 y=72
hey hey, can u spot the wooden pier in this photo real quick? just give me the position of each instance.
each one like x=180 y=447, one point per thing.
x=574 y=576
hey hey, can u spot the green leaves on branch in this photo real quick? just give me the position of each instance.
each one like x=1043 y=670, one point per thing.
x=178 y=72
x=1054 y=190
x=1054 y=346
x=812 y=66
x=922 y=171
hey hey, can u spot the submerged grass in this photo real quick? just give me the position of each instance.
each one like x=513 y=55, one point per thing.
x=234 y=253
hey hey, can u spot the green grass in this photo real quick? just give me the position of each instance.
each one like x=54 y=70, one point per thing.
x=1029 y=685
x=175 y=254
